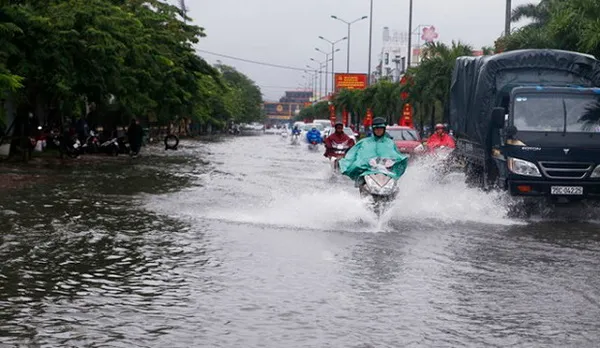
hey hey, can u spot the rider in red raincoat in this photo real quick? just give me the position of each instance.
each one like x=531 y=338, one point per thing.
x=440 y=138
x=338 y=137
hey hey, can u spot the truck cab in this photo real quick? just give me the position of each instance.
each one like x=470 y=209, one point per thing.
x=528 y=122
x=549 y=145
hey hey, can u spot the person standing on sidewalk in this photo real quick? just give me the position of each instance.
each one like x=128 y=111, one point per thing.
x=135 y=135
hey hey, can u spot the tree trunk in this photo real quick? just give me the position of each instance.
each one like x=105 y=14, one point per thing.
x=446 y=107
x=432 y=117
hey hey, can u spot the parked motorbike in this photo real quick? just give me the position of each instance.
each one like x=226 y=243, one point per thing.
x=110 y=146
x=379 y=186
x=66 y=144
x=92 y=142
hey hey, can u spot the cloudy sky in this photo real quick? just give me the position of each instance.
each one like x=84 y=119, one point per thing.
x=286 y=32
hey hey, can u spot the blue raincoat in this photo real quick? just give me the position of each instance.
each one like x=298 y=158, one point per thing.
x=356 y=163
x=313 y=135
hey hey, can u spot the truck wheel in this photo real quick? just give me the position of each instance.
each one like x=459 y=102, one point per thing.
x=474 y=175
x=492 y=177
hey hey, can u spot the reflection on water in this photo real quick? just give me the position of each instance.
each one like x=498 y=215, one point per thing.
x=79 y=254
x=247 y=243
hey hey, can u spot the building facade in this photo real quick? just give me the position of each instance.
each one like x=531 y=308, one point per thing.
x=392 y=59
x=288 y=106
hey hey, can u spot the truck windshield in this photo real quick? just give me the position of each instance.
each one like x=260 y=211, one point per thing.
x=557 y=112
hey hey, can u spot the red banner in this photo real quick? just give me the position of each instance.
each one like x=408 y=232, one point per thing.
x=368 y=121
x=332 y=116
x=350 y=81
x=345 y=117
x=407 y=116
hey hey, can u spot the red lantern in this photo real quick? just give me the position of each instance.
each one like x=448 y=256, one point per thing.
x=332 y=116
x=404 y=95
x=368 y=121
x=407 y=116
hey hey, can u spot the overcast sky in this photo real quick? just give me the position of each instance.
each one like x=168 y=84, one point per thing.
x=286 y=32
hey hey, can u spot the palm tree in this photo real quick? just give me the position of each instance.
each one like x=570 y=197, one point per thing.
x=436 y=69
x=8 y=81
x=539 y=14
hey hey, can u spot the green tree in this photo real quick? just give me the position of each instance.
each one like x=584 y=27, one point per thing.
x=245 y=96
x=128 y=58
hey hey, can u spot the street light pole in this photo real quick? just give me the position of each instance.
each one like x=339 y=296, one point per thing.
x=370 y=42
x=410 y=16
x=316 y=73
x=320 y=74
x=333 y=50
x=326 y=68
x=507 y=19
x=349 y=25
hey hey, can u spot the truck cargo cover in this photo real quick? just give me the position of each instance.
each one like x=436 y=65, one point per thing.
x=480 y=83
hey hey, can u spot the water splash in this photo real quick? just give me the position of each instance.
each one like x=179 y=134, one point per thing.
x=322 y=201
x=425 y=195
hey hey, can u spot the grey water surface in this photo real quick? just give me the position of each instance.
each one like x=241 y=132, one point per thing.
x=248 y=242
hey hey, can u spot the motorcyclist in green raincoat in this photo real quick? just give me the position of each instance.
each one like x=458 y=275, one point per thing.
x=356 y=164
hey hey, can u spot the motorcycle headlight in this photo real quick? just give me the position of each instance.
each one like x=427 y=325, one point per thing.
x=521 y=167
x=596 y=172
x=374 y=187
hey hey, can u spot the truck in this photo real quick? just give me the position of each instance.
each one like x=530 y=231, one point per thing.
x=528 y=122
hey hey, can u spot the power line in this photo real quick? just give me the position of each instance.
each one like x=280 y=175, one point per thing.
x=290 y=87
x=257 y=62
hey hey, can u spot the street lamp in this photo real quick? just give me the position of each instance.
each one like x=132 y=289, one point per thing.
x=321 y=64
x=312 y=74
x=315 y=73
x=349 y=24
x=333 y=50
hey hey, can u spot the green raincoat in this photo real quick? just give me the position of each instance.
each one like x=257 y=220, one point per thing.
x=356 y=162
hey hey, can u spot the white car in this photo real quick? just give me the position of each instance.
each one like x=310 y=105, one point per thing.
x=349 y=132
x=307 y=127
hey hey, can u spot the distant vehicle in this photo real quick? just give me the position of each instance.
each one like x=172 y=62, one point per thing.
x=349 y=132
x=308 y=126
x=407 y=139
x=325 y=123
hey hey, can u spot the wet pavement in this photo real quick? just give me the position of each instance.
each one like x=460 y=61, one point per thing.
x=248 y=243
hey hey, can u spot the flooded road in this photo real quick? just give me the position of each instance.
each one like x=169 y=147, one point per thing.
x=247 y=243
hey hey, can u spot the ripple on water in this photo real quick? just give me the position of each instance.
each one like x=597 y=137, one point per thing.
x=219 y=246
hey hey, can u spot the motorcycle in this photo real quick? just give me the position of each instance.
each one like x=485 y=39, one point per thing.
x=444 y=163
x=379 y=186
x=338 y=152
x=313 y=145
x=66 y=144
x=295 y=139
x=110 y=146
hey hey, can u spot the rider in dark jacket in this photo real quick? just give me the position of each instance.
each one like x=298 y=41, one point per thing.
x=338 y=137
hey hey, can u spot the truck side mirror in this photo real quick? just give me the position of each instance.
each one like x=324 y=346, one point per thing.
x=498 y=118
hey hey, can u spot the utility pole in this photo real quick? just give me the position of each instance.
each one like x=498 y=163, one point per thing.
x=507 y=19
x=410 y=15
x=370 y=43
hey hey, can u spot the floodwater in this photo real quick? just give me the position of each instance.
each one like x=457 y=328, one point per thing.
x=247 y=243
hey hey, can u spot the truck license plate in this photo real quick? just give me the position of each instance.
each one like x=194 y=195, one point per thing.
x=567 y=190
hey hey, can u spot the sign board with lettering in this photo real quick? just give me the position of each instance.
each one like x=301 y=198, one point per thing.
x=350 y=81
